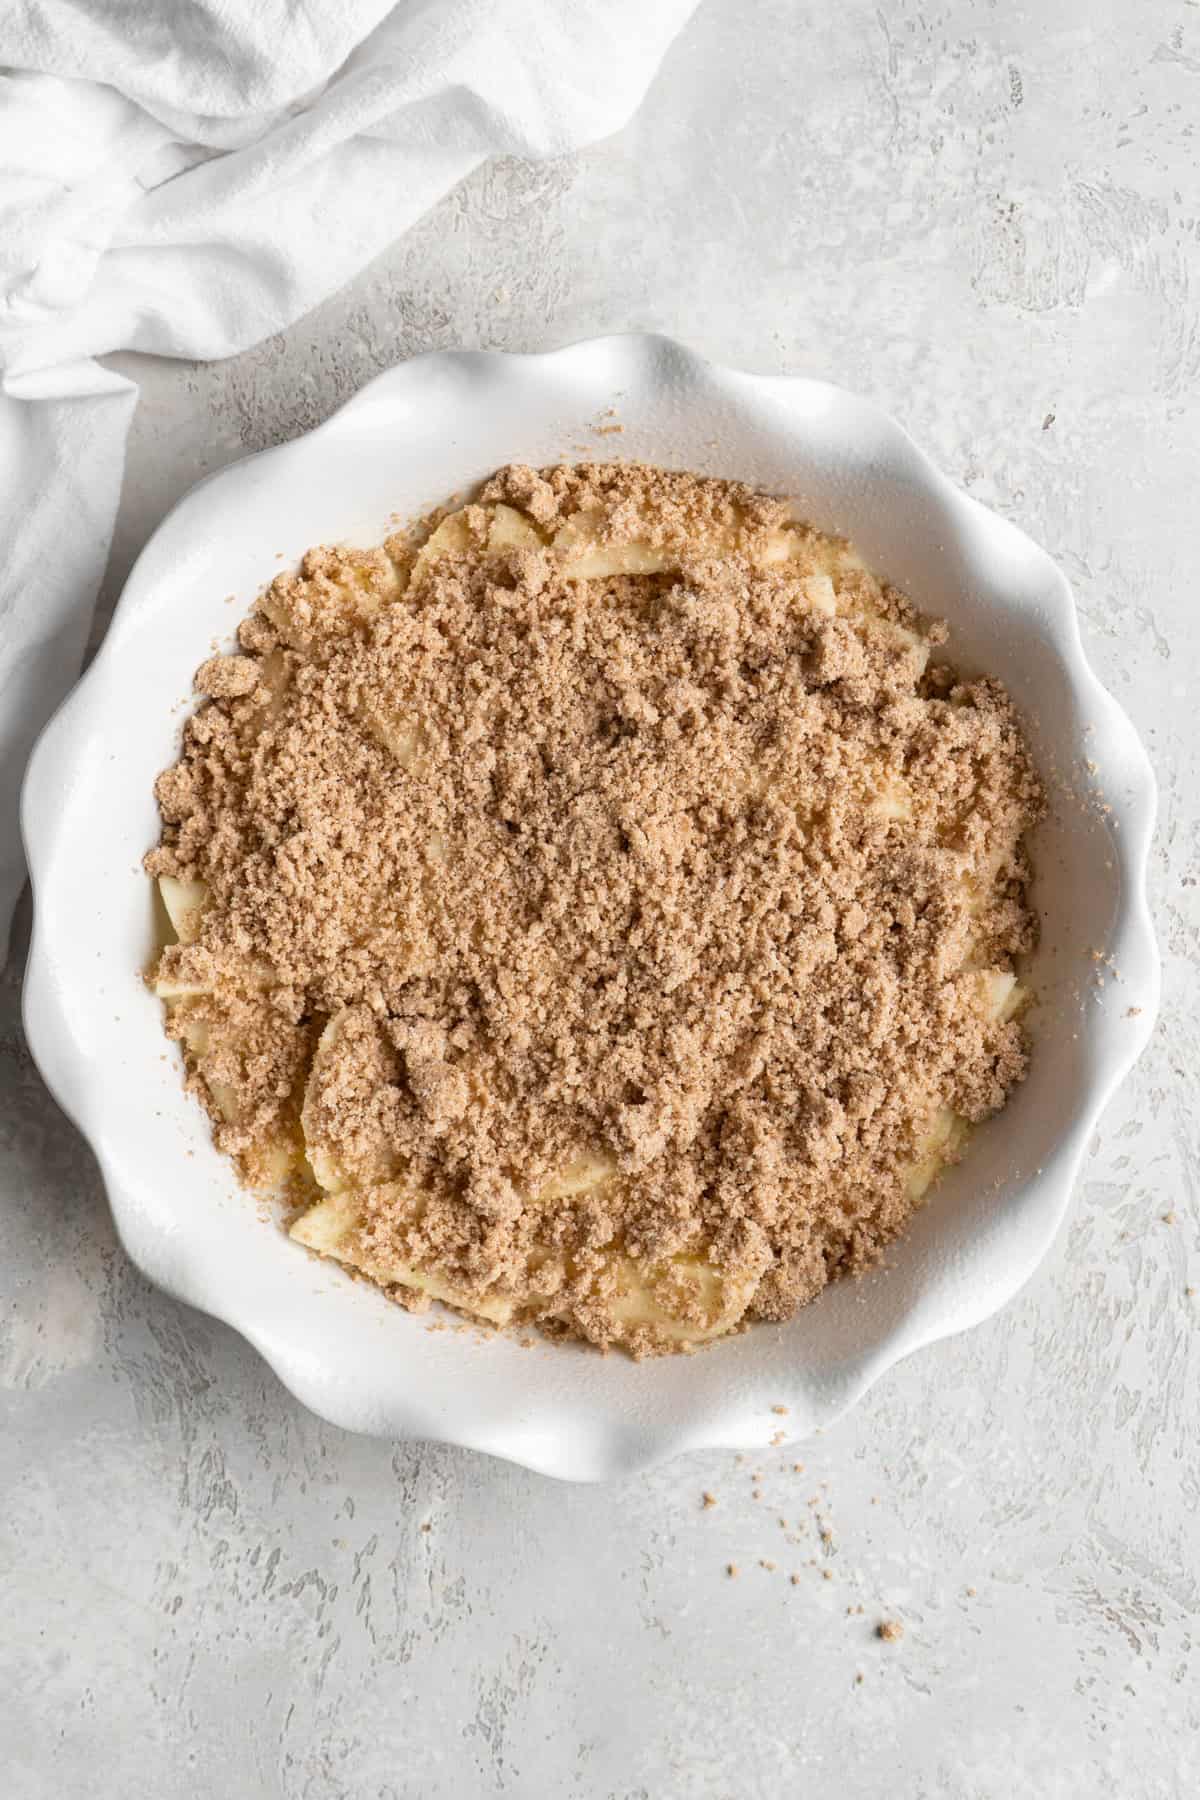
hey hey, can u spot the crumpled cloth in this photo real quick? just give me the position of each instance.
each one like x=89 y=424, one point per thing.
x=186 y=177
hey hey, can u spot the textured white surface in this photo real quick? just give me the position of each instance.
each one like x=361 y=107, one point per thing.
x=981 y=217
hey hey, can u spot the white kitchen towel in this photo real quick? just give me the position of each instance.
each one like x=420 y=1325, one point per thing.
x=186 y=177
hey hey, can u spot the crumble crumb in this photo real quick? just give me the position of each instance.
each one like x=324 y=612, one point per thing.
x=226 y=677
x=890 y=1630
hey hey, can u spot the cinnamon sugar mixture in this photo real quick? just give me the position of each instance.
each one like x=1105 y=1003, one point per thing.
x=648 y=918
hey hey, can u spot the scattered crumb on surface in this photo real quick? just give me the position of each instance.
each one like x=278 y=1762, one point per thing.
x=890 y=1630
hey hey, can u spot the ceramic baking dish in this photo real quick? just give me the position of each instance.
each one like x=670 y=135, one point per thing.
x=425 y=430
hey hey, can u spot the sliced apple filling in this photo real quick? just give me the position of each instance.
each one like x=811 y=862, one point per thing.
x=768 y=826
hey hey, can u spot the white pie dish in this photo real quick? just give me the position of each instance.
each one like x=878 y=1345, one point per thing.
x=417 y=434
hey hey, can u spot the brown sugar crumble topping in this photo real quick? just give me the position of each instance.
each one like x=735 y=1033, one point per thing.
x=602 y=912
